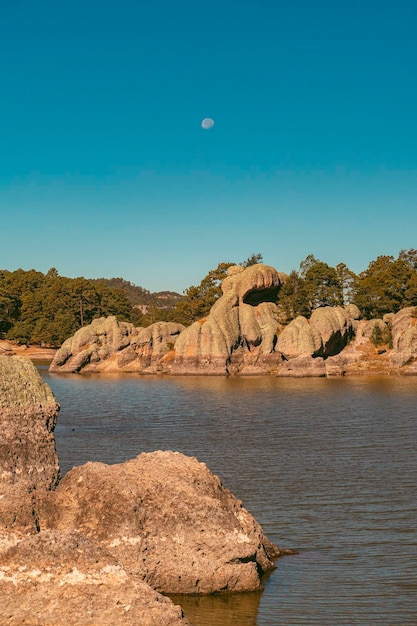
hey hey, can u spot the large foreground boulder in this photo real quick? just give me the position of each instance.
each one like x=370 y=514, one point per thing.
x=168 y=520
x=29 y=464
x=65 y=579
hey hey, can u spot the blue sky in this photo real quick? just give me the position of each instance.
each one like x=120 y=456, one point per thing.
x=104 y=167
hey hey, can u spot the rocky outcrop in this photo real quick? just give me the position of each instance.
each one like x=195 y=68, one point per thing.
x=168 y=520
x=368 y=328
x=65 y=579
x=108 y=345
x=404 y=340
x=299 y=338
x=6 y=349
x=303 y=367
x=85 y=552
x=404 y=330
x=28 y=460
x=244 y=335
x=245 y=316
x=325 y=334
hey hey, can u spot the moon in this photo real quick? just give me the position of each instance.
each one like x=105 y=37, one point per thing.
x=207 y=123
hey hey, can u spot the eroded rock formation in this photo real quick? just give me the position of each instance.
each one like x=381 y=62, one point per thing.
x=243 y=322
x=168 y=520
x=65 y=579
x=243 y=335
x=108 y=345
x=28 y=461
x=97 y=548
x=325 y=334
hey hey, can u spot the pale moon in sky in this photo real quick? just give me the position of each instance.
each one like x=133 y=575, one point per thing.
x=207 y=123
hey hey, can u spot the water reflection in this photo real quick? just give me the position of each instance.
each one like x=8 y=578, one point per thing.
x=221 y=609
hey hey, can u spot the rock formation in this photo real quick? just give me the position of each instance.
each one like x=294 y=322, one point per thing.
x=168 y=520
x=325 y=334
x=97 y=548
x=28 y=460
x=6 y=349
x=65 y=579
x=242 y=322
x=404 y=340
x=404 y=330
x=243 y=335
x=107 y=345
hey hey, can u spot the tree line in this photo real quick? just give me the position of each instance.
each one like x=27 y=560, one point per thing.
x=47 y=308
x=386 y=286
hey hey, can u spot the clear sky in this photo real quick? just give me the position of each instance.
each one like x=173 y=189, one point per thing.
x=106 y=171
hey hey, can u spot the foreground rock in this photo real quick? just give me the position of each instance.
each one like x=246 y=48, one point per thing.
x=168 y=520
x=64 y=579
x=107 y=345
x=162 y=518
x=29 y=464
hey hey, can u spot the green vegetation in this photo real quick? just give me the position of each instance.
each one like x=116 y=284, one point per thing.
x=386 y=286
x=381 y=336
x=47 y=308
x=199 y=299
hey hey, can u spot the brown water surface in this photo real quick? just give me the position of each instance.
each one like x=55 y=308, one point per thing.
x=327 y=466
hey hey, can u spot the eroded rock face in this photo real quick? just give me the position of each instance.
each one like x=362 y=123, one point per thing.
x=303 y=367
x=404 y=330
x=168 y=520
x=325 y=334
x=28 y=461
x=299 y=339
x=245 y=316
x=368 y=327
x=64 y=579
x=108 y=345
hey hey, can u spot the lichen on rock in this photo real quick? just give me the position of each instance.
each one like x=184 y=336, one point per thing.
x=168 y=520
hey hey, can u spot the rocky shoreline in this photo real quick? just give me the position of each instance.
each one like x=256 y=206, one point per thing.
x=102 y=544
x=243 y=336
x=35 y=353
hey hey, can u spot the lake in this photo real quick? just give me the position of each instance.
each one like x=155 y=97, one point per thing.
x=326 y=466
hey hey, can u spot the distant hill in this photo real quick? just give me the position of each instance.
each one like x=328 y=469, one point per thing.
x=141 y=298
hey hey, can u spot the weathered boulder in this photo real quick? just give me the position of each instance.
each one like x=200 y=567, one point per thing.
x=361 y=356
x=28 y=461
x=65 y=579
x=369 y=328
x=325 y=334
x=245 y=316
x=404 y=330
x=92 y=344
x=353 y=311
x=6 y=348
x=302 y=367
x=168 y=520
x=108 y=345
x=335 y=327
x=299 y=339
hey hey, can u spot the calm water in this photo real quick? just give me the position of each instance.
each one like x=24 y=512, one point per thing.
x=326 y=466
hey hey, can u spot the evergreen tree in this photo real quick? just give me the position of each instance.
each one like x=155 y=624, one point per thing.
x=386 y=286
x=199 y=299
